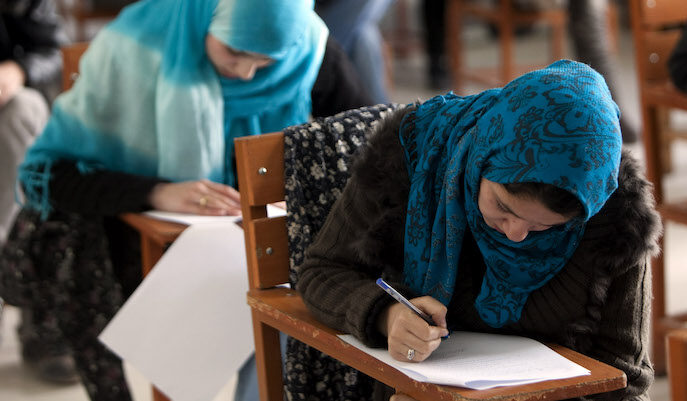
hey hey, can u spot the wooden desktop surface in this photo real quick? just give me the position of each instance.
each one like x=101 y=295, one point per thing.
x=284 y=309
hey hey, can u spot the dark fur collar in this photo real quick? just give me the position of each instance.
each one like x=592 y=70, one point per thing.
x=629 y=220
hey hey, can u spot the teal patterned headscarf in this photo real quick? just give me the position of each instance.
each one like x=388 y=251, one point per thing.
x=150 y=102
x=556 y=126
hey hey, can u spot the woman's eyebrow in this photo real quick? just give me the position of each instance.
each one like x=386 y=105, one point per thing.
x=505 y=207
x=509 y=210
x=254 y=55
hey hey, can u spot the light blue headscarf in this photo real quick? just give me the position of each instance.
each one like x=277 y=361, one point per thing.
x=149 y=101
x=557 y=126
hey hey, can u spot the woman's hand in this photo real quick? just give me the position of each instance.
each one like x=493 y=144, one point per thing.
x=11 y=80
x=198 y=197
x=407 y=331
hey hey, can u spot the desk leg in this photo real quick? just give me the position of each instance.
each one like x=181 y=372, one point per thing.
x=268 y=361
x=677 y=364
x=151 y=252
x=158 y=395
x=654 y=174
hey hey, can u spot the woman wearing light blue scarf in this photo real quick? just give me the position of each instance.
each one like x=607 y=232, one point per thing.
x=163 y=91
x=151 y=101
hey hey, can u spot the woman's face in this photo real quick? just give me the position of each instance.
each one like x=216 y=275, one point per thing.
x=514 y=216
x=232 y=63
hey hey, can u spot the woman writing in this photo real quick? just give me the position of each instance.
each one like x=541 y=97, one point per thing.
x=150 y=123
x=509 y=211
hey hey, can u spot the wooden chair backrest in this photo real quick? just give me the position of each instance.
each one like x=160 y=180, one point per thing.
x=656 y=28
x=260 y=168
x=71 y=54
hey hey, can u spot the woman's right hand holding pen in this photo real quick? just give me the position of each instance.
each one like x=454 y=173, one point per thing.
x=405 y=330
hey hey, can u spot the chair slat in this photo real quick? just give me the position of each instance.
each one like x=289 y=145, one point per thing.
x=658 y=13
x=658 y=47
x=271 y=251
x=263 y=168
x=71 y=54
x=260 y=167
x=677 y=364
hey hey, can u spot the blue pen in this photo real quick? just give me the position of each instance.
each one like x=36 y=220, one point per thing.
x=403 y=300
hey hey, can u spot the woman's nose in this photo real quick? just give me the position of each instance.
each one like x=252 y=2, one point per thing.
x=247 y=71
x=516 y=230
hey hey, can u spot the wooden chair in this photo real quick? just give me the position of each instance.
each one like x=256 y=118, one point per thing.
x=655 y=31
x=274 y=308
x=506 y=18
x=71 y=54
x=677 y=364
x=156 y=235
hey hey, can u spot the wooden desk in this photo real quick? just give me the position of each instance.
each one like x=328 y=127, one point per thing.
x=284 y=310
x=156 y=236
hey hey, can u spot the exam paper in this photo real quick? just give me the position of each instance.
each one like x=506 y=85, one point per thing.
x=191 y=219
x=481 y=361
x=187 y=327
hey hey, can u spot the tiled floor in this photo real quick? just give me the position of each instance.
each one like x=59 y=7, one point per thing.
x=17 y=383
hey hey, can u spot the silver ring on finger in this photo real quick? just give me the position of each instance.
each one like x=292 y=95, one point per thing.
x=411 y=354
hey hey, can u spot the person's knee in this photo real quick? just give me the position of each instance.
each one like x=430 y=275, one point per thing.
x=27 y=112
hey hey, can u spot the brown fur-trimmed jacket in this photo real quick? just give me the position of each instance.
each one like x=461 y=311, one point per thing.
x=597 y=305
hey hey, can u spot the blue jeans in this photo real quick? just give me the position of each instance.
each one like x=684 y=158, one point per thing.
x=355 y=25
x=247 y=386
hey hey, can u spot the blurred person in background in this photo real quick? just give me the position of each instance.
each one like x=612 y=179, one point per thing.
x=355 y=25
x=591 y=39
x=589 y=31
x=677 y=65
x=30 y=69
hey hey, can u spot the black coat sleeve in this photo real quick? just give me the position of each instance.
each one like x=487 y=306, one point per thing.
x=98 y=193
x=677 y=65
x=338 y=87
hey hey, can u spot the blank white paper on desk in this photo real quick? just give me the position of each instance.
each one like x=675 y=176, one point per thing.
x=187 y=327
x=481 y=361
x=195 y=219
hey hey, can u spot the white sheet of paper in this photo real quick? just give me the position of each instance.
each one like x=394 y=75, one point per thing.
x=480 y=361
x=191 y=219
x=187 y=327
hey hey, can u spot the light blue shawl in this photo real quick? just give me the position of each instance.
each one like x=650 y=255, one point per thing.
x=557 y=126
x=149 y=102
